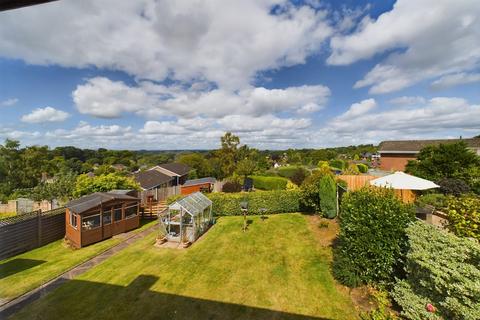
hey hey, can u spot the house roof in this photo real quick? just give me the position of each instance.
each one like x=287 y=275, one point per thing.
x=151 y=178
x=177 y=168
x=194 y=182
x=93 y=200
x=414 y=146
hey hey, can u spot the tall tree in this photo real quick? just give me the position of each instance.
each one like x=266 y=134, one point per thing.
x=453 y=160
x=228 y=153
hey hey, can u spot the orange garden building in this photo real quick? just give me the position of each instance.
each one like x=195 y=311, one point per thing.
x=99 y=216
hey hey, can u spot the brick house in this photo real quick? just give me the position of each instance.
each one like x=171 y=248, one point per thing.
x=394 y=155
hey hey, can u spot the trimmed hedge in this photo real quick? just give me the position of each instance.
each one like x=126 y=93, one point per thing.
x=442 y=270
x=288 y=171
x=372 y=239
x=277 y=201
x=269 y=183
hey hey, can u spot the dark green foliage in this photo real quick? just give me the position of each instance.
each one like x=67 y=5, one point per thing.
x=299 y=176
x=279 y=201
x=452 y=160
x=453 y=186
x=437 y=200
x=363 y=168
x=232 y=186
x=288 y=171
x=338 y=164
x=372 y=237
x=269 y=183
x=443 y=270
x=310 y=192
x=328 y=196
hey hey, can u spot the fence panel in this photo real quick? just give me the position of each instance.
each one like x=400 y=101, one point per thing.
x=355 y=182
x=31 y=230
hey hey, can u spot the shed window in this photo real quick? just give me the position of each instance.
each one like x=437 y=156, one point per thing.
x=91 y=222
x=73 y=220
x=107 y=216
x=117 y=213
x=131 y=211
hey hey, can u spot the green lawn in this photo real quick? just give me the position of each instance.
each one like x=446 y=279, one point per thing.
x=29 y=270
x=276 y=270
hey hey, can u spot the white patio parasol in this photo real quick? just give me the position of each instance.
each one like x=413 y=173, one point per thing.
x=400 y=180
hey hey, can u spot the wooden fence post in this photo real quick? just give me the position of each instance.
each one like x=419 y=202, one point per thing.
x=39 y=227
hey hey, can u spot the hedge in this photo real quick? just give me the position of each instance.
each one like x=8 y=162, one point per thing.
x=277 y=201
x=269 y=183
x=372 y=237
x=288 y=171
x=463 y=214
x=442 y=270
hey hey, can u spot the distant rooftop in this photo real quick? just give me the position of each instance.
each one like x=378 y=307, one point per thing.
x=414 y=146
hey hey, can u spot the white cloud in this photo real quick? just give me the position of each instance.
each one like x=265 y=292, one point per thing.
x=215 y=40
x=437 y=116
x=101 y=97
x=455 y=79
x=9 y=102
x=426 y=43
x=408 y=101
x=358 y=109
x=47 y=114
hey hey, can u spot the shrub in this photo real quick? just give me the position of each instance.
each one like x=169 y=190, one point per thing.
x=288 y=171
x=231 y=186
x=328 y=196
x=437 y=200
x=269 y=183
x=363 y=168
x=372 y=236
x=464 y=216
x=453 y=186
x=337 y=163
x=352 y=170
x=310 y=192
x=443 y=270
x=277 y=201
x=86 y=185
x=299 y=176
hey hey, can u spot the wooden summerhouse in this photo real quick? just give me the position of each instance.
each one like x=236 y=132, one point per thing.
x=188 y=218
x=99 y=216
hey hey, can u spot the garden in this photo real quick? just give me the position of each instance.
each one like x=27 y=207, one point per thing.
x=275 y=270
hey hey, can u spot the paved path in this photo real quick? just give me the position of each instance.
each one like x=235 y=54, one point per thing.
x=18 y=303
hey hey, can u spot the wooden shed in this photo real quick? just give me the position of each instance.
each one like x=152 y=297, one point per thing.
x=99 y=216
x=198 y=185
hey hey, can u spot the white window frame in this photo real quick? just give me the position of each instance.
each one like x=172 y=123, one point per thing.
x=73 y=215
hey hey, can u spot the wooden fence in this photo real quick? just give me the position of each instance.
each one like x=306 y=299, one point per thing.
x=30 y=230
x=355 y=182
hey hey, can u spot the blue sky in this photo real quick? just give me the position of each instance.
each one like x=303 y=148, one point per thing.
x=177 y=74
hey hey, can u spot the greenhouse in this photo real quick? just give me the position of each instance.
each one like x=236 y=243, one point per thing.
x=188 y=218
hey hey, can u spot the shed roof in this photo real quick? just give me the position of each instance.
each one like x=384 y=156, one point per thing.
x=177 y=168
x=151 y=178
x=414 y=146
x=93 y=200
x=194 y=203
x=194 y=182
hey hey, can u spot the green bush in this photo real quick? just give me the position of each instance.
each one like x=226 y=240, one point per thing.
x=277 y=201
x=443 y=270
x=328 y=196
x=288 y=171
x=437 y=200
x=337 y=163
x=310 y=192
x=372 y=236
x=269 y=183
x=363 y=168
x=464 y=216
